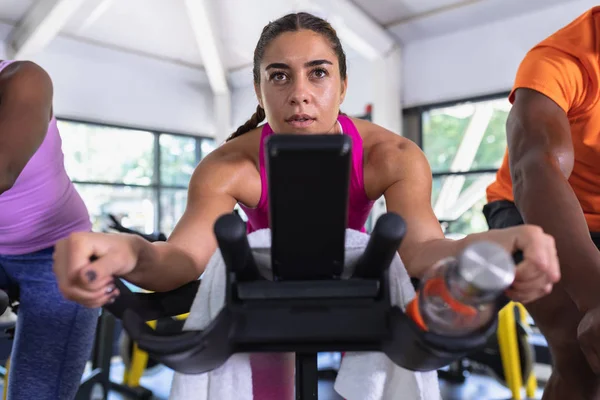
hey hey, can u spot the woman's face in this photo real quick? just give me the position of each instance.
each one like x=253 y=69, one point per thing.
x=300 y=85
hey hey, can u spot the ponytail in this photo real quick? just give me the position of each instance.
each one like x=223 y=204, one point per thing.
x=252 y=123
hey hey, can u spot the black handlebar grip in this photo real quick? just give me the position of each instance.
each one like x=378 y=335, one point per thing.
x=383 y=244
x=125 y=300
x=230 y=231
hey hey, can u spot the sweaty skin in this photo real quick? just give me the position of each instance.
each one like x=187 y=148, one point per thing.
x=541 y=161
x=301 y=90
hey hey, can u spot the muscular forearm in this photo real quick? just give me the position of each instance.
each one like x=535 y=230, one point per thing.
x=161 y=266
x=430 y=252
x=545 y=198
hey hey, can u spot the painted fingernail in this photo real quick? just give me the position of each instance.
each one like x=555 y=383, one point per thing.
x=91 y=275
x=110 y=289
x=111 y=300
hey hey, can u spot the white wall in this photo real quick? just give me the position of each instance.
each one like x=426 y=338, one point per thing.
x=360 y=91
x=361 y=81
x=478 y=61
x=105 y=85
x=243 y=99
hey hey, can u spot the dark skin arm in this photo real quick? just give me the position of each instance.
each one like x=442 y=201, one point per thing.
x=541 y=161
x=25 y=110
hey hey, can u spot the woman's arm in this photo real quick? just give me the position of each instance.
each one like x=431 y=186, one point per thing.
x=183 y=257
x=406 y=176
x=213 y=190
x=25 y=110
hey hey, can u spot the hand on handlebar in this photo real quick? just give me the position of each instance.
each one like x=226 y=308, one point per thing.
x=85 y=264
x=539 y=269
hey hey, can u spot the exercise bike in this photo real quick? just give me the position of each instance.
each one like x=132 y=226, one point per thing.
x=307 y=308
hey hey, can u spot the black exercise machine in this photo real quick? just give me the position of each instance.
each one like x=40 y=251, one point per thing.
x=307 y=307
x=97 y=384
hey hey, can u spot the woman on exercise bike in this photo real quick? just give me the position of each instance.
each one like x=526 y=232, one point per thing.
x=38 y=206
x=300 y=82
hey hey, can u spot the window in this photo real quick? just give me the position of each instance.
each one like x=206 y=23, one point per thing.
x=109 y=155
x=465 y=144
x=177 y=159
x=139 y=177
x=173 y=203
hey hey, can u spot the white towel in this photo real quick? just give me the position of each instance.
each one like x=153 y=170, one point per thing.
x=362 y=375
x=371 y=375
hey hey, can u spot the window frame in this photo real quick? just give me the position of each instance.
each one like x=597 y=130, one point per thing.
x=155 y=186
x=413 y=120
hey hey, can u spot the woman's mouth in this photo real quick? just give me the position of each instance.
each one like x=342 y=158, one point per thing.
x=300 y=120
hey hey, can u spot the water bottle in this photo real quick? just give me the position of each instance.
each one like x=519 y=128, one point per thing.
x=458 y=295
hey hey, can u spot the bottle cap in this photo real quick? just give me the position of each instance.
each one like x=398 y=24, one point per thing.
x=485 y=269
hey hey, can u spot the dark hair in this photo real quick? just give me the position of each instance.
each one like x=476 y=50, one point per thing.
x=289 y=23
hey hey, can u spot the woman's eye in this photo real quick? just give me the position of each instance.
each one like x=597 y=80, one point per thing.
x=320 y=73
x=278 y=76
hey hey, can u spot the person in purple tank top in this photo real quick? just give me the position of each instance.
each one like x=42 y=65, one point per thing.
x=38 y=206
x=300 y=82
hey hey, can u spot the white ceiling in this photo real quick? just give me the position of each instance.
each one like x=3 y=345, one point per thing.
x=452 y=16
x=388 y=12
x=13 y=10
x=157 y=27
x=161 y=28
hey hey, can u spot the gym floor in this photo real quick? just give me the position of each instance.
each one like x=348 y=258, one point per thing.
x=477 y=387
x=158 y=380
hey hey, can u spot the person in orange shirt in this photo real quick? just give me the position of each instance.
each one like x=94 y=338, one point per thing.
x=550 y=177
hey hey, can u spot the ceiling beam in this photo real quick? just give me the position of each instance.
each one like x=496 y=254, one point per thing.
x=99 y=9
x=432 y=12
x=39 y=26
x=203 y=22
x=355 y=28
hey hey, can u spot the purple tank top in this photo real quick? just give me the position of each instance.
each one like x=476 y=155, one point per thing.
x=43 y=206
x=359 y=205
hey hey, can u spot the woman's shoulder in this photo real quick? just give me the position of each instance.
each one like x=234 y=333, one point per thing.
x=389 y=157
x=237 y=152
x=230 y=168
x=230 y=165
x=377 y=139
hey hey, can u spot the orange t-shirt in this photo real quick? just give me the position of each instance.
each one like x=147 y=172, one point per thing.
x=566 y=68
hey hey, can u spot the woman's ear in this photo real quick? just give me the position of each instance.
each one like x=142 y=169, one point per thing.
x=258 y=94
x=344 y=89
